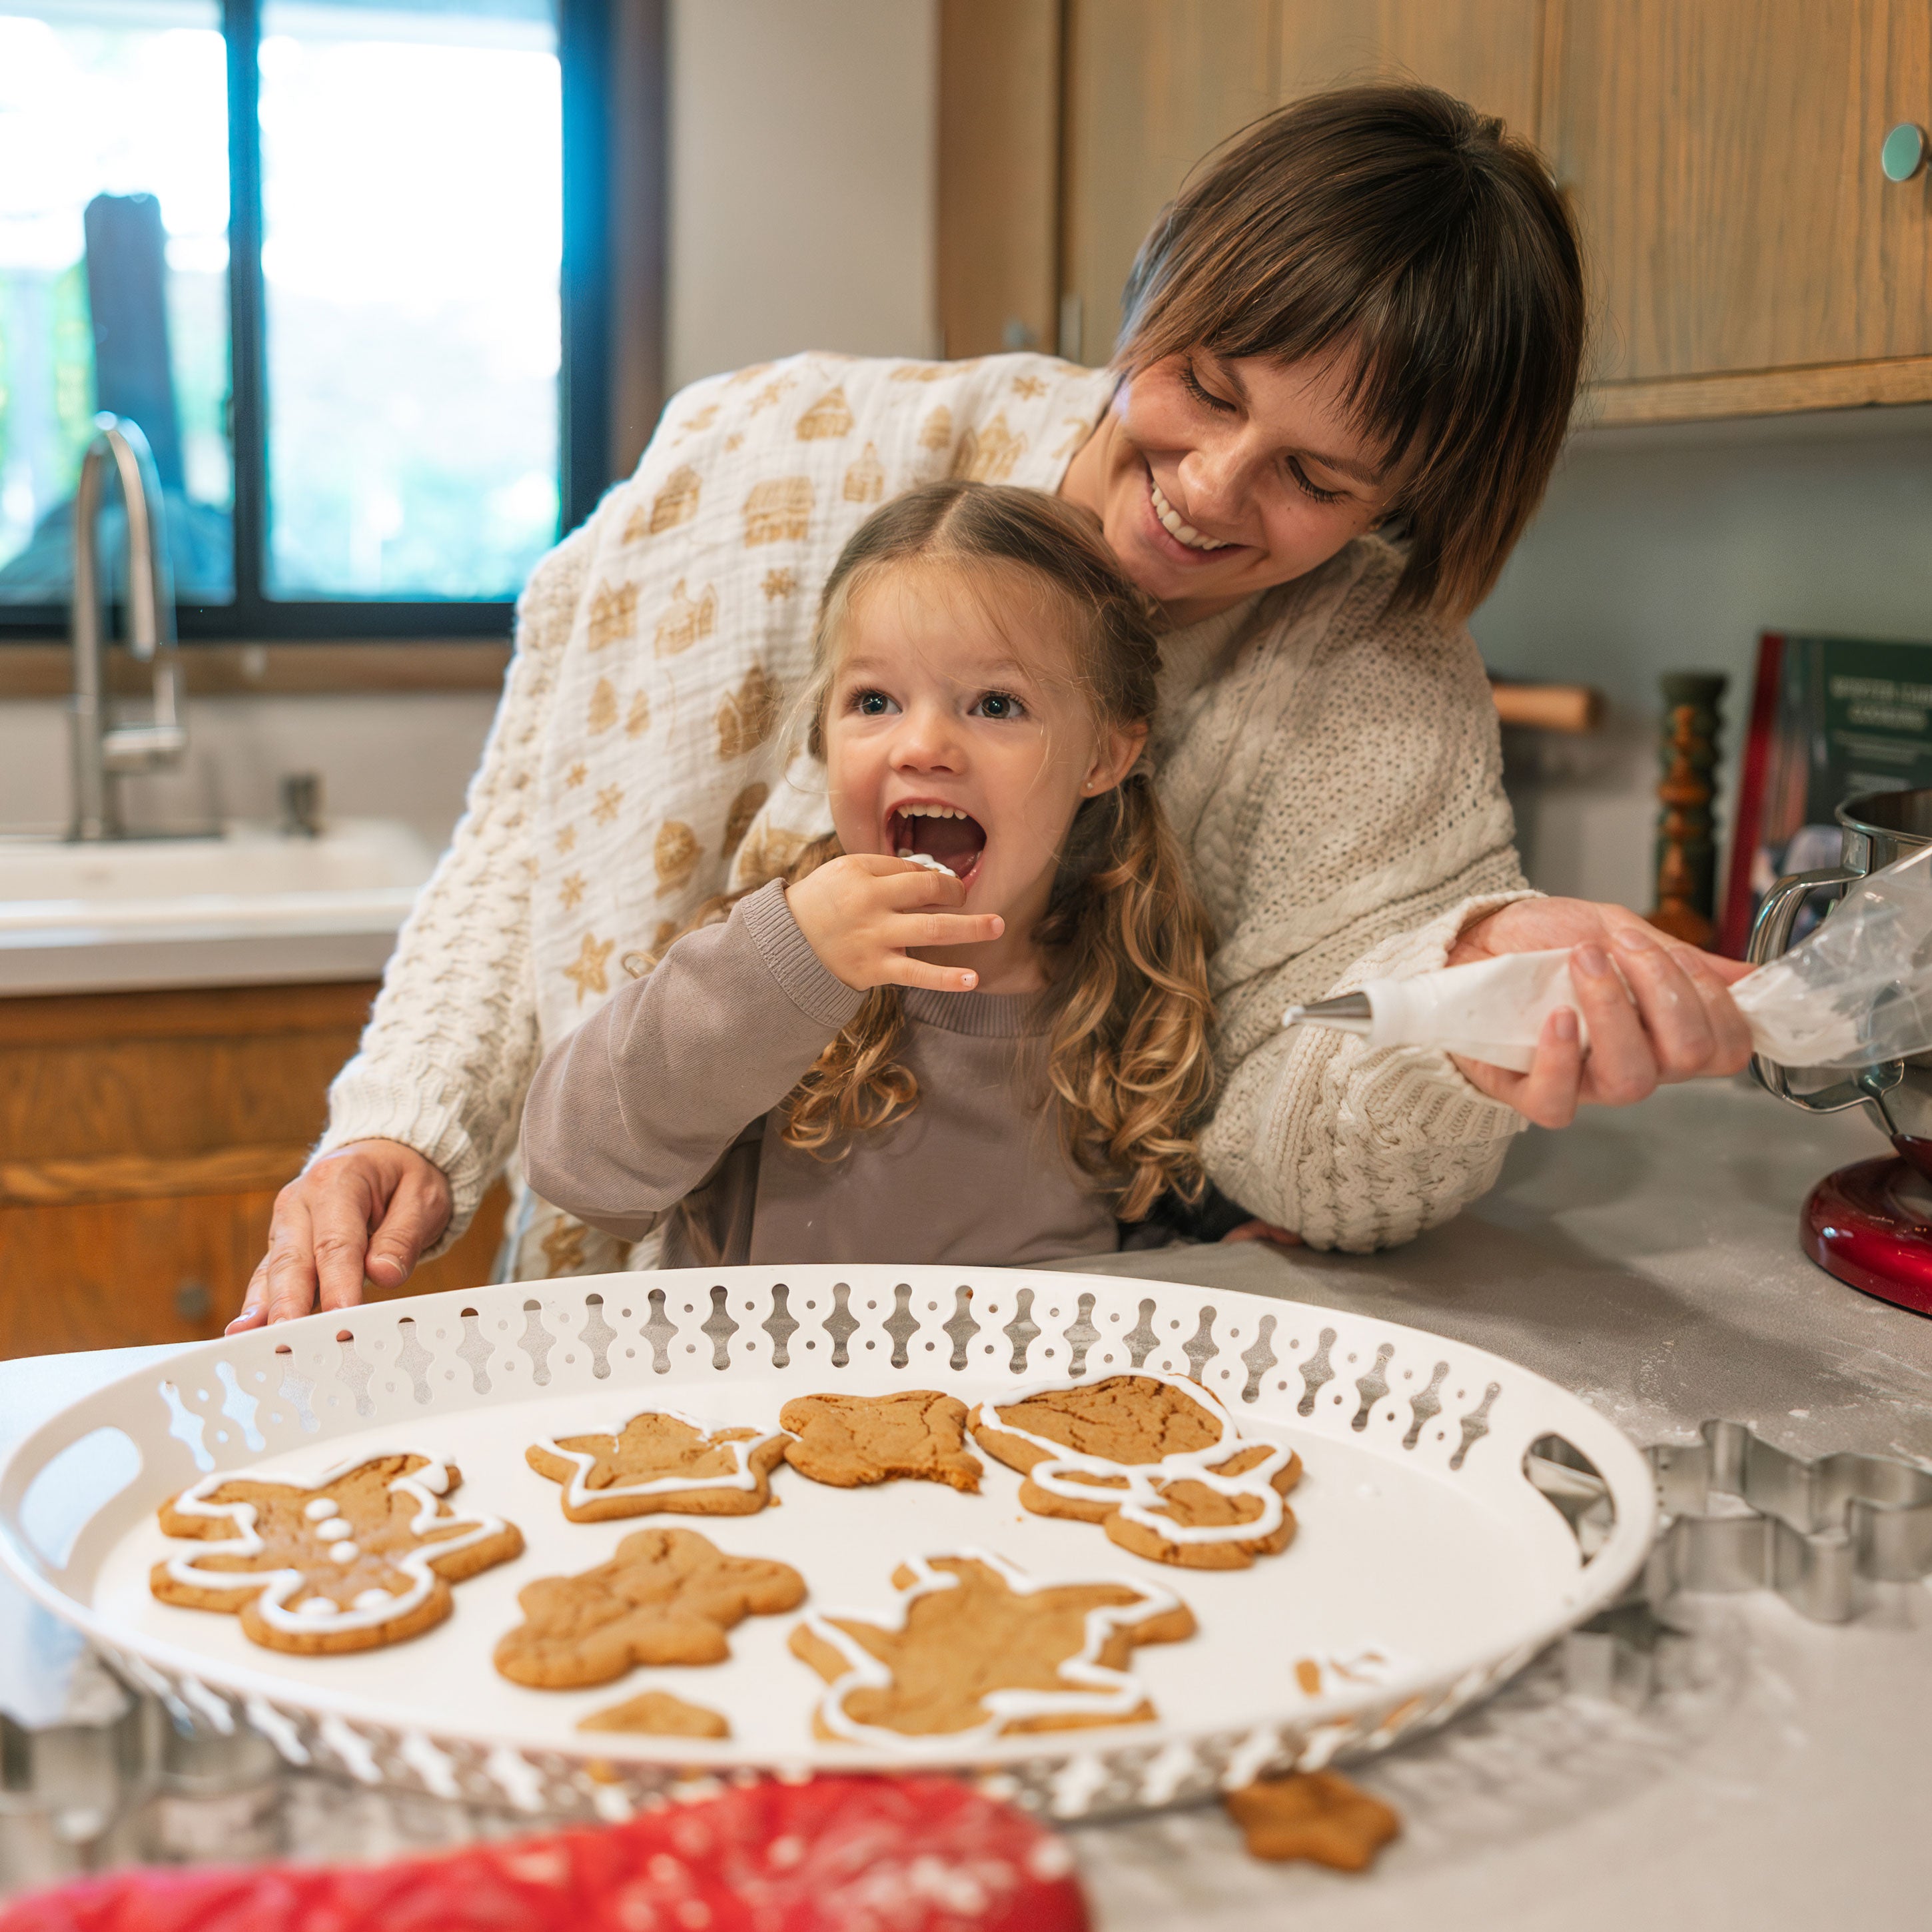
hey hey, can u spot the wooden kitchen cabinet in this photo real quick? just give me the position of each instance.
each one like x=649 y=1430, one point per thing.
x=1748 y=251
x=1747 y=254
x=1150 y=86
x=143 y=1137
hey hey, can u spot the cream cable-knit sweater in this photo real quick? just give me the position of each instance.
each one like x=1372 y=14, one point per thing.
x=1334 y=773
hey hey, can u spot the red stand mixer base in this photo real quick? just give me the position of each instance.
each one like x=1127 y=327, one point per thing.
x=1871 y=1225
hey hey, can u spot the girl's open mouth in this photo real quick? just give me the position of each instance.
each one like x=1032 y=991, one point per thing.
x=954 y=838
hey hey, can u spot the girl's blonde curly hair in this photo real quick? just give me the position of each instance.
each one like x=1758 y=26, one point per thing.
x=1130 y=1055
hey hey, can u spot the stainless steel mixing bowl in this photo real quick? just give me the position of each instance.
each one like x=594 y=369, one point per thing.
x=1877 y=829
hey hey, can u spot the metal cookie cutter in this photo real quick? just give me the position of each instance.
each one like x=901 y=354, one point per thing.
x=1812 y=1531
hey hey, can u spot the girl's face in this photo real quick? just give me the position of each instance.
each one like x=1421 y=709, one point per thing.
x=954 y=726
x=1215 y=478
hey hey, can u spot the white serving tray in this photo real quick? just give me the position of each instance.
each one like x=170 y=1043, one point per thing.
x=1420 y=1538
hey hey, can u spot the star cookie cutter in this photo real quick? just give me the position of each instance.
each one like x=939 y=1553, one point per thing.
x=1813 y=1532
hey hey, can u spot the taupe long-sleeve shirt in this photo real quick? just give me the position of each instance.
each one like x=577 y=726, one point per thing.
x=668 y=1094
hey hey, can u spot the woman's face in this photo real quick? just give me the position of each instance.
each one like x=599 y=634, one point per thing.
x=1215 y=478
x=954 y=727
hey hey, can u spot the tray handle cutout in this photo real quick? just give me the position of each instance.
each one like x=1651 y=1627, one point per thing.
x=67 y=1494
x=1574 y=1487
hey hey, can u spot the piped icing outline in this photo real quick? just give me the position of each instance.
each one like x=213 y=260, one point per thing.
x=1184 y=1465
x=1115 y=1693
x=576 y=1495
x=428 y=1486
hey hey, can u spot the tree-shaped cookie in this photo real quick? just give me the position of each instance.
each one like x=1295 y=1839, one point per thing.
x=848 y=1440
x=661 y=1460
x=668 y=1596
x=975 y=1650
x=362 y=1557
x=1154 y=1459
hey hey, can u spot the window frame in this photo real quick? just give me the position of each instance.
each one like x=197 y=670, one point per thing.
x=584 y=390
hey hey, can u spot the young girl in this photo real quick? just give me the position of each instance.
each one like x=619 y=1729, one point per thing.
x=971 y=1026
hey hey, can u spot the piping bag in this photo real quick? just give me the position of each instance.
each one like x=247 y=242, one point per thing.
x=1856 y=993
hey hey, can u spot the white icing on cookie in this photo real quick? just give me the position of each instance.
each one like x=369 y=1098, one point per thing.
x=287 y=1598
x=1109 y=1694
x=577 y=1494
x=347 y=1551
x=333 y=1529
x=1140 y=1500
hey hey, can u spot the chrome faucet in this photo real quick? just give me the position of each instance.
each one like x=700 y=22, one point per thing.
x=103 y=750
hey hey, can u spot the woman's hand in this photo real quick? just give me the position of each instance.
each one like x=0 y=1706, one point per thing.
x=1662 y=1012
x=367 y=1209
x=863 y=913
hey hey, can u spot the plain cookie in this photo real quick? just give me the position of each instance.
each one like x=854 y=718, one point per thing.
x=668 y=1596
x=1317 y=1815
x=658 y=1713
x=849 y=1440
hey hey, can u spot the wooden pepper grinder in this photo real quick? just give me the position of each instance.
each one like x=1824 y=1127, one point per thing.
x=1686 y=848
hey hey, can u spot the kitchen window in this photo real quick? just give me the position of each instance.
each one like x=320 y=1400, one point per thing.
x=342 y=261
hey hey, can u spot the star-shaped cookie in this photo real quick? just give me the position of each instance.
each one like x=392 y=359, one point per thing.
x=668 y=1596
x=661 y=1460
x=1317 y=1815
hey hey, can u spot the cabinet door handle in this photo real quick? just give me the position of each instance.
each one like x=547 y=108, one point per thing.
x=1903 y=153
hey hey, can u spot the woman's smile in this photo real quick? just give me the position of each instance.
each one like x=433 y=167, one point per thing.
x=1185 y=535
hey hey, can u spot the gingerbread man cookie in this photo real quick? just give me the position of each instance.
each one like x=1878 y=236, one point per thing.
x=362 y=1557
x=661 y=1460
x=847 y=1440
x=1317 y=1815
x=975 y=1650
x=1156 y=1459
x=668 y=1596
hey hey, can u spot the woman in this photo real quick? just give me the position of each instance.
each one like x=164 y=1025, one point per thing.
x=1349 y=356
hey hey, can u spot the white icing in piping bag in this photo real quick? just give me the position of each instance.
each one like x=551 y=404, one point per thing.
x=1490 y=1010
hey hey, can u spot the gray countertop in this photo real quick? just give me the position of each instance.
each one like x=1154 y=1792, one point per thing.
x=1648 y=1259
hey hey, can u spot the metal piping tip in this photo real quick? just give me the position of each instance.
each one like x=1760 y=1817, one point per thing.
x=1346 y=1012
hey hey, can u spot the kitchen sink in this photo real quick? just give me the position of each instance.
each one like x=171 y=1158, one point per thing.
x=251 y=905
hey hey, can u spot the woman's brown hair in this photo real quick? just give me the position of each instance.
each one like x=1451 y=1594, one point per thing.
x=1395 y=227
x=1128 y=1055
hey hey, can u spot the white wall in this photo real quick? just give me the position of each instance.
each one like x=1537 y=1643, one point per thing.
x=1670 y=550
x=804 y=138
x=407 y=757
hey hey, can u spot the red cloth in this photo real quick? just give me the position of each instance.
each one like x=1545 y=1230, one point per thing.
x=834 y=1854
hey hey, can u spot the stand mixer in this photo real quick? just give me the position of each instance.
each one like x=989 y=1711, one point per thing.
x=1869 y=1224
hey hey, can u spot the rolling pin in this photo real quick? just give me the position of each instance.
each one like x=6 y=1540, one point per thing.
x=1574 y=708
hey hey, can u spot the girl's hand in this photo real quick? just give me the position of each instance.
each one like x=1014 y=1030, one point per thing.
x=862 y=914
x=1668 y=1017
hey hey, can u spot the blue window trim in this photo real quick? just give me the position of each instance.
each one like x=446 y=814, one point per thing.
x=583 y=48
